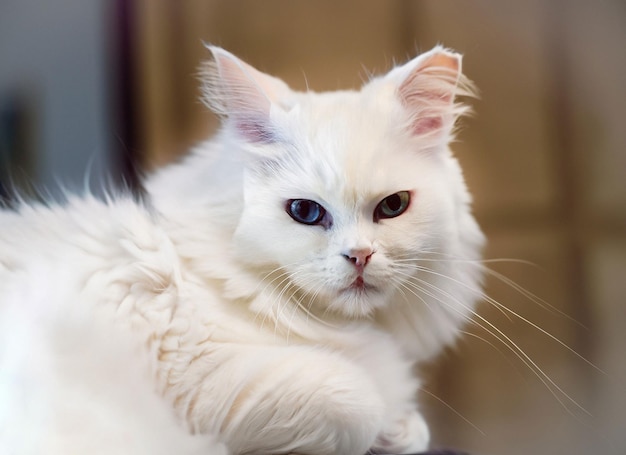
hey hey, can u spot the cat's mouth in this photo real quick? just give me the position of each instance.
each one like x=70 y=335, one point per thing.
x=359 y=285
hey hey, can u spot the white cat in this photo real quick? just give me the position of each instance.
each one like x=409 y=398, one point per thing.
x=271 y=296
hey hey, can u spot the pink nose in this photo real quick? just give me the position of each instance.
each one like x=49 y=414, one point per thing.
x=359 y=257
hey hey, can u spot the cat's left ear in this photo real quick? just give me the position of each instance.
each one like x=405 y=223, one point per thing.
x=427 y=88
x=243 y=94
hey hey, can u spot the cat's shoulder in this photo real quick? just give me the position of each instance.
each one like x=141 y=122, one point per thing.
x=72 y=210
x=85 y=225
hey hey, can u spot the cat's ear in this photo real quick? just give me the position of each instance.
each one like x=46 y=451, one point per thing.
x=243 y=94
x=428 y=87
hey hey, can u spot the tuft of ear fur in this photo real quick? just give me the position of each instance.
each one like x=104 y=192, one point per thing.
x=427 y=87
x=244 y=95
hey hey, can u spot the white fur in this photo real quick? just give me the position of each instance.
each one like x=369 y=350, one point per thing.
x=212 y=312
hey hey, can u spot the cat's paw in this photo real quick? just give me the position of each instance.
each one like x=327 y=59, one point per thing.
x=407 y=434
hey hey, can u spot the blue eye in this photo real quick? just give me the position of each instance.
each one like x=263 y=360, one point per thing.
x=305 y=211
x=392 y=206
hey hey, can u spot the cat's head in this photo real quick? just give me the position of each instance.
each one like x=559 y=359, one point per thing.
x=344 y=191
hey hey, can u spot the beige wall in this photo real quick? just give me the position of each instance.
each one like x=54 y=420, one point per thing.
x=545 y=157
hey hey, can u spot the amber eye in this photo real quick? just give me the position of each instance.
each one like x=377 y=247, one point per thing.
x=392 y=206
x=305 y=211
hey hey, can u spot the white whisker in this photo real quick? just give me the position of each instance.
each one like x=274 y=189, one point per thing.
x=457 y=413
x=505 y=309
x=504 y=339
x=494 y=347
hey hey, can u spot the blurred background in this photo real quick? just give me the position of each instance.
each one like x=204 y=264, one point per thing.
x=105 y=88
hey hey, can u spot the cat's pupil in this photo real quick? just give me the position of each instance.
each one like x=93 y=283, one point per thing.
x=306 y=211
x=394 y=202
x=392 y=206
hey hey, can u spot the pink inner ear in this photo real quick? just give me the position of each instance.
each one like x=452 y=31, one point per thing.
x=254 y=131
x=244 y=92
x=427 y=92
x=422 y=126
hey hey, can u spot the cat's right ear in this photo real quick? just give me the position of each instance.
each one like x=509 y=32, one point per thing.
x=428 y=87
x=244 y=95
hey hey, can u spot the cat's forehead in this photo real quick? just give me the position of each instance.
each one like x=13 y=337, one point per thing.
x=354 y=134
x=344 y=151
x=339 y=110
x=342 y=128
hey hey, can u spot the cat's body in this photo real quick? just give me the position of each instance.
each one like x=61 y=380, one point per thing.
x=274 y=293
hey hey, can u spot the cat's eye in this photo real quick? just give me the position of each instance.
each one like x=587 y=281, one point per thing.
x=305 y=211
x=392 y=206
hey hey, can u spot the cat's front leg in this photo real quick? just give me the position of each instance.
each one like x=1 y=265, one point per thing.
x=407 y=434
x=293 y=399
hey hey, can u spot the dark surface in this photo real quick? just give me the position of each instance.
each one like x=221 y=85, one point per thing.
x=439 y=452
x=442 y=452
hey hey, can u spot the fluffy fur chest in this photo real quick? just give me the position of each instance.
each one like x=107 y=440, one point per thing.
x=207 y=352
x=215 y=360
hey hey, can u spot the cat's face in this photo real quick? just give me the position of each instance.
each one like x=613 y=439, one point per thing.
x=342 y=193
x=343 y=212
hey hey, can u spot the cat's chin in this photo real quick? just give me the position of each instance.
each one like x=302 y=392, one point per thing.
x=359 y=299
